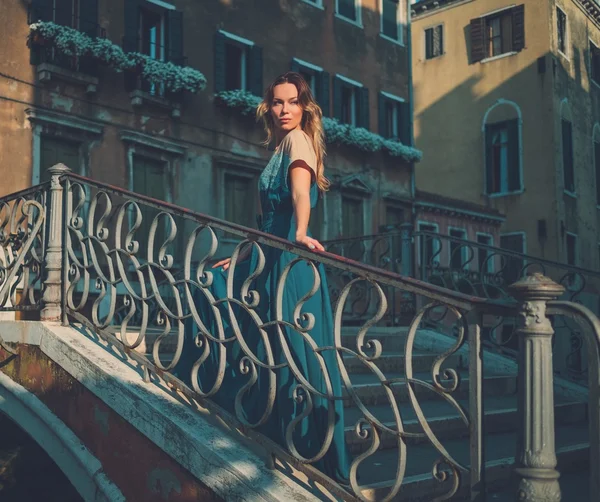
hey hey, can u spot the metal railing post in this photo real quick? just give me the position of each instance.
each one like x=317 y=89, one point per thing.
x=535 y=460
x=51 y=298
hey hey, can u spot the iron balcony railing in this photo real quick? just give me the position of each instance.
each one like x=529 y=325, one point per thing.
x=134 y=289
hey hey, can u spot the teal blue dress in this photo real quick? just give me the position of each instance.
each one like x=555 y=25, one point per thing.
x=271 y=342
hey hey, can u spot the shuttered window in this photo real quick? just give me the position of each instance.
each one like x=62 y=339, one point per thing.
x=484 y=259
x=458 y=251
x=567 y=155
x=352 y=216
x=513 y=268
x=348 y=9
x=318 y=81
x=150 y=178
x=394 y=118
x=351 y=103
x=498 y=34
x=238 y=64
x=429 y=246
x=156 y=32
x=503 y=166
x=561 y=30
x=571 y=248
x=434 y=42
x=58 y=151
x=390 y=19
x=317 y=220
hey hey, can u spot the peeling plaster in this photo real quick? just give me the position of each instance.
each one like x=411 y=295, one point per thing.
x=60 y=102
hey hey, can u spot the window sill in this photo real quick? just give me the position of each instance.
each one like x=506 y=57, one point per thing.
x=505 y=194
x=348 y=20
x=434 y=57
x=47 y=72
x=317 y=5
x=570 y=194
x=396 y=41
x=139 y=98
x=499 y=56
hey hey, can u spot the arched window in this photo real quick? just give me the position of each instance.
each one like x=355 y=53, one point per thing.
x=503 y=158
x=566 y=123
x=596 y=145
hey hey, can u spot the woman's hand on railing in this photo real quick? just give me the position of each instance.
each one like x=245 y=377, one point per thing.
x=309 y=242
x=244 y=253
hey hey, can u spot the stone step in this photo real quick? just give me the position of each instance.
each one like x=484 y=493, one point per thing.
x=371 y=392
x=419 y=485
x=446 y=423
x=394 y=362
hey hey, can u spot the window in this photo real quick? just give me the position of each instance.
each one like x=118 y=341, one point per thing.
x=391 y=23
x=238 y=64
x=594 y=63
x=429 y=246
x=499 y=33
x=434 y=42
x=54 y=151
x=485 y=263
x=561 y=30
x=349 y=10
x=351 y=102
x=150 y=177
x=156 y=31
x=317 y=79
x=458 y=251
x=239 y=199
x=77 y=14
x=352 y=216
x=503 y=169
x=394 y=118
x=512 y=266
x=567 y=155
x=394 y=217
x=571 y=249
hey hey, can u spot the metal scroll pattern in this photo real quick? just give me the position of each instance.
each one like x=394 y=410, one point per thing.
x=141 y=272
x=486 y=271
x=22 y=243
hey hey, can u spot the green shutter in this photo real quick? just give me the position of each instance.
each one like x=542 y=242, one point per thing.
x=514 y=167
x=518 y=28
x=255 y=74
x=567 y=145
x=489 y=174
x=219 y=48
x=175 y=36
x=323 y=92
x=132 y=26
x=363 y=108
x=88 y=17
x=477 y=39
x=337 y=98
x=63 y=12
x=404 y=127
x=381 y=118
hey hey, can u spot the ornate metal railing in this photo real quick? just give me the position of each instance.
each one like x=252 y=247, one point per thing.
x=138 y=271
x=22 y=246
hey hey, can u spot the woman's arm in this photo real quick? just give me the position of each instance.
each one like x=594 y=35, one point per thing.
x=300 y=179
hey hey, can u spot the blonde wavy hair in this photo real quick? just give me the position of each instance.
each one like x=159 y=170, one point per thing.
x=311 y=122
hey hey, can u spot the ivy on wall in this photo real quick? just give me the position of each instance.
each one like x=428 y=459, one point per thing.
x=335 y=132
x=72 y=42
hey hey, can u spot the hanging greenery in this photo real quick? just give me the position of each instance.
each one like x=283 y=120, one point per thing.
x=335 y=132
x=72 y=42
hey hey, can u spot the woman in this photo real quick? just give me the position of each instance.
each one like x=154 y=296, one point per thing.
x=289 y=187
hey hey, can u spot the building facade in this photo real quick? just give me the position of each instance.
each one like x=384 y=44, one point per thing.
x=507 y=111
x=204 y=150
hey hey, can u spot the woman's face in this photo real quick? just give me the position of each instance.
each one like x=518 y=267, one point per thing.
x=285 y=109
